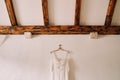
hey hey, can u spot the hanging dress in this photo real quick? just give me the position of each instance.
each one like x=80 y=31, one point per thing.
x=60 y=67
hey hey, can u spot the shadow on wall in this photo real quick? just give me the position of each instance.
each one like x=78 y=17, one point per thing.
x=72 y=70
x=2 y=41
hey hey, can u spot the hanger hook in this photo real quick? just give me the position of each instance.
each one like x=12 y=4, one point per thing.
x=60 y=46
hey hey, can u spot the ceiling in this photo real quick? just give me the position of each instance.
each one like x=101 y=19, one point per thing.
x=59 y=16
x=61 y=12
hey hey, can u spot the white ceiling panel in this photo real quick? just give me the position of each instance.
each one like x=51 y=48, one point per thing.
x=61 y=12
x=29 y=12
x=93 y=12
x=4 y=19
x=116 y=16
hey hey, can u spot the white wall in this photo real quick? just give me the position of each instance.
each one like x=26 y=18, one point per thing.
x=29 y=59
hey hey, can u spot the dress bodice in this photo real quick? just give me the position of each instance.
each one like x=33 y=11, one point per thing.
x=60 y=63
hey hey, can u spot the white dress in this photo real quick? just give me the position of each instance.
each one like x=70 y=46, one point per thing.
x=60 y=66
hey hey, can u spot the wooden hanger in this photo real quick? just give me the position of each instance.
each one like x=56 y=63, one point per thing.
x=60 y=48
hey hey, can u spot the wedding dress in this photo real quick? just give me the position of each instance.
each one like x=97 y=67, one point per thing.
x=60 y=66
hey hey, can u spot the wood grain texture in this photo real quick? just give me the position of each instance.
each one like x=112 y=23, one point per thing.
x=45 y=12
x=54 y=30
x=110 y=12
x=77 y=12
x=11 y=12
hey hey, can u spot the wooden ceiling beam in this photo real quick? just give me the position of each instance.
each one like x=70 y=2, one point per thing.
x=45 y=12
x=110 y=12
x=11 y=12
x=60 y=29
x=77 y=12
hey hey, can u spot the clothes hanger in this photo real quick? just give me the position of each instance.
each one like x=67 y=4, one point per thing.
x=60 y=49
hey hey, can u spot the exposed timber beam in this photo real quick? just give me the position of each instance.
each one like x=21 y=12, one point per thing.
x=45 y=12
x=11 y=12
x=60 y=29
x=77 y=12
x=110 y=12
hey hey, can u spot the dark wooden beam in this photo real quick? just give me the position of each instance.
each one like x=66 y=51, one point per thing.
x=77 y=12
x=110 y=12
x=11 y=12
x=60 y=29
x=45 y=12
